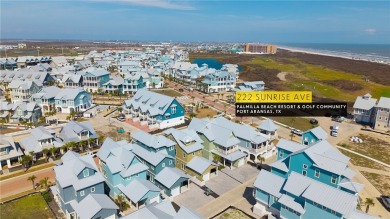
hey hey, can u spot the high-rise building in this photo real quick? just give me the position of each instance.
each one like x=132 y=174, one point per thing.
x=260 y=48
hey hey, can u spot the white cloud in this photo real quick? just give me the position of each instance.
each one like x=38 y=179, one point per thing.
x=165 y=4
x=370 y=31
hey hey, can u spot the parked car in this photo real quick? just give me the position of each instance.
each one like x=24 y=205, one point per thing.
x=297 y=132
x=334 y=133
x=181 y=90
x=314 y=121
x=338 y=118
x=385 y=200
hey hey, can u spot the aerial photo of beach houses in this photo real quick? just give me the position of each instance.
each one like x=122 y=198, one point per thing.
x=162 y=109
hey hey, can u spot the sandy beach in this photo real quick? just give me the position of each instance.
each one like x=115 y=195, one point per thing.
x=306 y=51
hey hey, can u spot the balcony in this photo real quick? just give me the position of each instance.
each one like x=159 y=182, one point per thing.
x=227 y=151
x=3 y=153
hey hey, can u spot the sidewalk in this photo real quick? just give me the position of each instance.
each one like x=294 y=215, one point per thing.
x=367 y=157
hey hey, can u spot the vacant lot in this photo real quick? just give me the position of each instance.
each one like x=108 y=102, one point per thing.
x=372 y=146
x=169 y=92
x=232 y=213
x=33 y=206
x=381 y=182
x=361 y=161
x=205 y=112
x=296 y=122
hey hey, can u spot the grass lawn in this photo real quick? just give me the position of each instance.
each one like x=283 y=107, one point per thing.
x=381 y=182
x=33 y=206
x=233 y=214
x=205 y=112
x=8 y=130
x=361 y=161
x=169 y=92
x=372 y=147
x=299 y=123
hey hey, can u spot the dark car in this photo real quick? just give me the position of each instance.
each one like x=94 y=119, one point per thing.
x=314 y=121
x=385 y=200
x=181 y=90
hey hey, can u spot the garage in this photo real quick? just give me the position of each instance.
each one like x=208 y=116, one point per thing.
x=175 y=191
x=240 y=162
x=206 y=176
x=155 y=199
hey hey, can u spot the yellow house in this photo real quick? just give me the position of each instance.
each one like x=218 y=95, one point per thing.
x=189 y=154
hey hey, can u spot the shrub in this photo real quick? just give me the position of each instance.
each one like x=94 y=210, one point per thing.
x=46 y=196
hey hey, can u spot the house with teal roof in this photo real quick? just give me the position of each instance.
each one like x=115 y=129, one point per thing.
x=313 y=135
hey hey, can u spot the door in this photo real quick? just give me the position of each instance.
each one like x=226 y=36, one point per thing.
x=206 y=177
x=175 y=191
x=155 y=199
x=240 y=162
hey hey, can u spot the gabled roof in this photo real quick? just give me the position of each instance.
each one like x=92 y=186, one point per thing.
x=153 y=158
x=72 y=166
x=291 y=146
x=155 y=103
x=137 y=189
x=152 y=141
x=384 y=102
x=268 y=125
x=71 y=130
x=280 y=165
x=93 y=204
x=364 y=102
x=187 y=139
x=318 y=132
x=291 y=203
x=69 y=93
x=155 y=210
x=168 y=176
x=31 y=143
x=186 y=213
x=200 y=164
x=269 y=183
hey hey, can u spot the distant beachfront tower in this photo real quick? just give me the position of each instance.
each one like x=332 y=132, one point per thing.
x=260 y=48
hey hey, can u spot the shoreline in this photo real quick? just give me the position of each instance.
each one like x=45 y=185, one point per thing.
x=308 y=51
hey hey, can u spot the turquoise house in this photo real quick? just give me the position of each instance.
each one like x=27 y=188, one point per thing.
x=119 y=165
x=313 y=135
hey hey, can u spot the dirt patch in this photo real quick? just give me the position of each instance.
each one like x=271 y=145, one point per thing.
x=361 y=161
x=379 y=73
x=344 y=85
x=232 y=214
x=381 y=182
x=282 y=76
x=259 y=73
x=372 y=146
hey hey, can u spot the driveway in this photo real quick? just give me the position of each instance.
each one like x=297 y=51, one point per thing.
x=242 y=174
x=193 y=198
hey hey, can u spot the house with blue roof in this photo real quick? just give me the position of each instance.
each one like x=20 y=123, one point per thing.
x=299 y=196
x=189 y=150
x=70 y=100
x=119 y=165
x=94 y=78
x=114 y=85
x=154 y=109
x=76 y=178
x=134 y=81
x=77 y=131
x=95 y=206
x=172 y=181
x=45 y=98
x=313 y=135
x=319 y=161
x=268 y=128
x=10 y=152
x=141 y=192
x=218 y=81
x=220 y=143
x=251 y=86
x=156 y=152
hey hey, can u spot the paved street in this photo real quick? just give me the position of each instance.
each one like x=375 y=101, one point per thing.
x=193 y=198
x=20 y=184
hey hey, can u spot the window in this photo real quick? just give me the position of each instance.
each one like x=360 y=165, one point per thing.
x=193 y=153
x=304 y=172
x=317 y=173
x=280 y=153
x=137 y=175
x=304 y=166
x=323 y=208
x=86 y=172
x=315 y=203
x=82 y=193
x=173 y=109
x=275 y=199
x=184 y=155
x=163 y=165
x=183 y=166
x=170 y=162
x=93 y=189
x=333 y=179
x=171 y=148
x=333 y=212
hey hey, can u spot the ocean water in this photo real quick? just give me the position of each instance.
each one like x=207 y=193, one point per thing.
x=373 y=52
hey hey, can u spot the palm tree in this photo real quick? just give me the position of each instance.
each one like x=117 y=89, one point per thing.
x=82 y=144
x=53 y=151
x=121 y=202
x=44 y=183
x=46 y=152
x=26 y=161
x=32 y=179
x=192 y=115
x=261 y=159
x=100 y=139
x=217 y=158
x=2 y=122
x=369 y=202
x=90 y=142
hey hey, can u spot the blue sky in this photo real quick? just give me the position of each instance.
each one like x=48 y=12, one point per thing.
x=212 y=20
